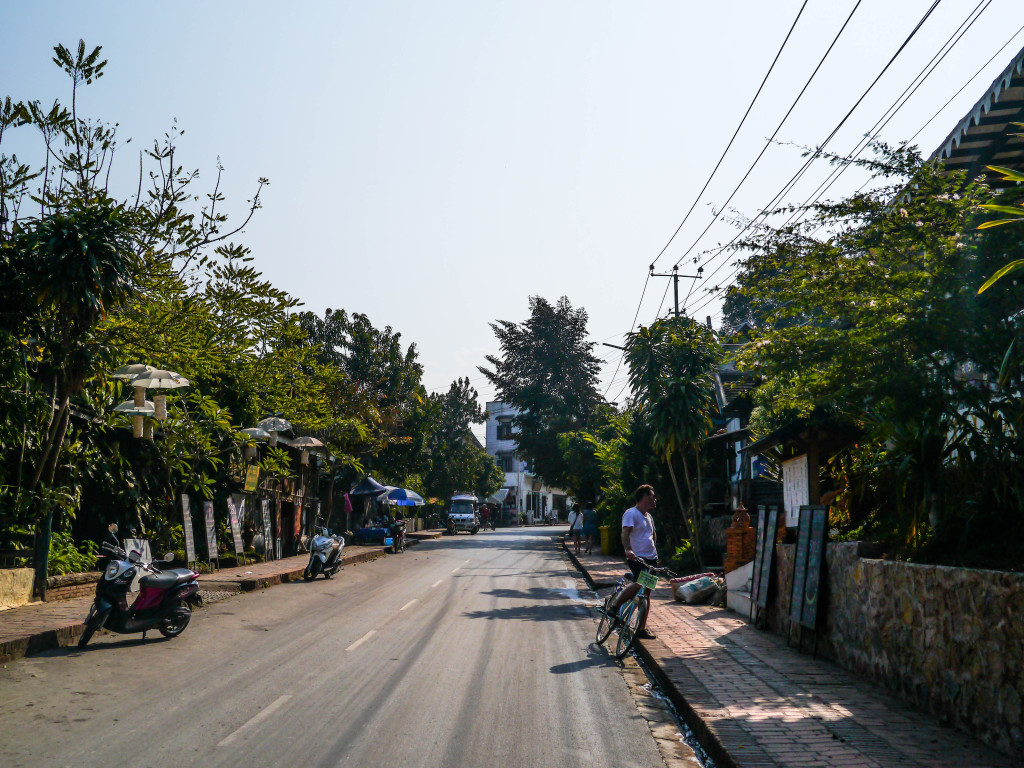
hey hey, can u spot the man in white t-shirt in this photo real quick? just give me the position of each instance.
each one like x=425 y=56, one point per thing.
x=638 y=539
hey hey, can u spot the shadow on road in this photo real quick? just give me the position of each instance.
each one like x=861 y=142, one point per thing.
x=596 y=657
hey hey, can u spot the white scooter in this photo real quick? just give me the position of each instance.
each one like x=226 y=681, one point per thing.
x=324 y=555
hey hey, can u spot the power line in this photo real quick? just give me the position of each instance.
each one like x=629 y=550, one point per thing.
x=775 y=133
x=734 y=135
x=817 y=152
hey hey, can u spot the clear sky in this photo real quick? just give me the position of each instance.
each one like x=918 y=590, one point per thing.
x=435 y=164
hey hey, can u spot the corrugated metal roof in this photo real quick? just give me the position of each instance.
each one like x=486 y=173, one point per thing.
x=985 y=136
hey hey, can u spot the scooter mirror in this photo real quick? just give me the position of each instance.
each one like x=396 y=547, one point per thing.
x=168 y=557
x=134 y=556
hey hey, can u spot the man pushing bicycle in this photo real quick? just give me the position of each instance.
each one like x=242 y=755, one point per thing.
x=638 y=539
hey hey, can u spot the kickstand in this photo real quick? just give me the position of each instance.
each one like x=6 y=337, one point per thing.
x=144 y=635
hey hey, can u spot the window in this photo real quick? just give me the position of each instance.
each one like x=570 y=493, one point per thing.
x=507 y=463
x=505 y=429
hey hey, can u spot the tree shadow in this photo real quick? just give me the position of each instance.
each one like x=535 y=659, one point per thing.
x=549 y=612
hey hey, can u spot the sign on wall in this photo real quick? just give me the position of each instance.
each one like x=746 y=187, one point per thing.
x=768 y=559
x=755 y=584
x=795 y=489
x=815 y=563
x=803 y=541
x=252 y=477
x=236 y=507
x=186 y=527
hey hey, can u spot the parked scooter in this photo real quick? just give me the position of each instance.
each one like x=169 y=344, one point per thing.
x=164 y=600
x=324 y=555
x=397 y=531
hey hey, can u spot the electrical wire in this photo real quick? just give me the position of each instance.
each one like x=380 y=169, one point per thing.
x=734 y=135
x=766 y=210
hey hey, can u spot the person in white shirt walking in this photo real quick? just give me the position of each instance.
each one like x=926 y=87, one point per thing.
x=638 y=539
x=576 y=527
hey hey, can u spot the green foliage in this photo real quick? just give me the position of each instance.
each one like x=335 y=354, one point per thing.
x=65 y=557
x=871 y=312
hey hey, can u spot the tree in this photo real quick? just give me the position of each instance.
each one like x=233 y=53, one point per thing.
x=456 y=461
x=874 y=314
x=548 y=372
x=671 y=372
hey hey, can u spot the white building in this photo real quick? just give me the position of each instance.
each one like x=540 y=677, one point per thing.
x=523 y=490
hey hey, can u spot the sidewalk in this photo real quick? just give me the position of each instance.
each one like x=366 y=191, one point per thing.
x=754 y=702
x=38 y=627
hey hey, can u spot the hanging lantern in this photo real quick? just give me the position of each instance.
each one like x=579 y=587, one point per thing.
x=305 y=456
x=160 y=404
x=137 y=425
x=147 y=429
x=140 y=396
x=273 y=439
x=250 y=452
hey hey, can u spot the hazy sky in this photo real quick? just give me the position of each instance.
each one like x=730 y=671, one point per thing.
x=435 y=164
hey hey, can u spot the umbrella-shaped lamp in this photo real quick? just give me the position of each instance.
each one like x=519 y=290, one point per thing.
x=307 y=444
x=158 y=379
x=138 y=412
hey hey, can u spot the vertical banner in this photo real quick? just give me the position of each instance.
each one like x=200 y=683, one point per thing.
x=211 y=531
x=186 y=527
x=268 y=534
x=815 y=565
x=768 y=559
x=755 y=584
x=236 y=502
x=803 y=548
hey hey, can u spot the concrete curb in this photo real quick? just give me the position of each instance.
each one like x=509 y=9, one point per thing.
x=594 y=585
x=68 y=634
x=656 y=656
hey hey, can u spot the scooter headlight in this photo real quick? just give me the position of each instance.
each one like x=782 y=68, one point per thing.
x=112 y=570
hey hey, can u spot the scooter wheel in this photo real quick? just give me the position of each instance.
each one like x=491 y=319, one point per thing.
x=312 y=570
x=175 y=624
x=86 y=636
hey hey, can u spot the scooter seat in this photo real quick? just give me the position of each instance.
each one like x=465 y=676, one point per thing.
x=166 y=579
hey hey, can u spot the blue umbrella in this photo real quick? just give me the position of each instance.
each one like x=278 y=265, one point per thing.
x=401 y=497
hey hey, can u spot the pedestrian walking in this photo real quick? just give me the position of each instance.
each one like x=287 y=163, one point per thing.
x=589 y=528
x=576 y=527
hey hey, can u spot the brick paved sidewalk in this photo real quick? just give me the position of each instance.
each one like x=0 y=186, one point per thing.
x=39 y=626
x=755 y=702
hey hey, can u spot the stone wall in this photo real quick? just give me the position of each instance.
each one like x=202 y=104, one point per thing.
x=949 y=640
x=71 y=585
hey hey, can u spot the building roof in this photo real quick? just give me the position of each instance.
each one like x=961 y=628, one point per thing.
x=986 y=135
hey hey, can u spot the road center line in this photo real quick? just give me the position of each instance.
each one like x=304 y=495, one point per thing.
x=362 y=640
x=454 y=570
x=260 y=716
x=409 y=604
x=436 y=583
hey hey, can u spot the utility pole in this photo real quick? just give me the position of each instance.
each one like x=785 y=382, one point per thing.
x=674 y=274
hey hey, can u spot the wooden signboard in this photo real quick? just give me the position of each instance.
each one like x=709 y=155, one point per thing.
x=268 y=534
x=768 y=560
x=755 y=582
x=803 y=542
x=211 y=533
x=815 y=564
x=236 y=505
x=186 y=527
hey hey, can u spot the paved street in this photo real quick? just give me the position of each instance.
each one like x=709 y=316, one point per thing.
x=466 y=651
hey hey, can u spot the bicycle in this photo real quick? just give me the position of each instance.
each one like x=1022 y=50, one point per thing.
x=632 y=614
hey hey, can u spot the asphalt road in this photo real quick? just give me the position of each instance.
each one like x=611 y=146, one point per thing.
x=462 y=652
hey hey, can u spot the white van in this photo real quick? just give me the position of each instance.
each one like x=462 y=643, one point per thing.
x=463 y=514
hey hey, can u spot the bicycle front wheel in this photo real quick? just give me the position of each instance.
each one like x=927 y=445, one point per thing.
x=632 y=619
x=604 y=627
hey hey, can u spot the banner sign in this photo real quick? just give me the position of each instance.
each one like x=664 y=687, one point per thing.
x=252 y=478
x=768 y=559
x=815 y=563
x=211 y=531
x=803 y=542
x=268 y=540
x=186 y=527
x=755 y=585
x=236 y=508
